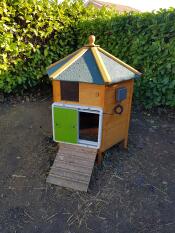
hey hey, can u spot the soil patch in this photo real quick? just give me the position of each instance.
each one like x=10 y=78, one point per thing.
x=133 y=192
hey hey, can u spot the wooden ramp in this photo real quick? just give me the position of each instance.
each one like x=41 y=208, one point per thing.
x=72 y=167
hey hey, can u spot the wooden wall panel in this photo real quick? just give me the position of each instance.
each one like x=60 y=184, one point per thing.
x=115 y=127
x=109 y=121
x=56 y=90
x=110 y=97
x=113 y=135
x=89 y=94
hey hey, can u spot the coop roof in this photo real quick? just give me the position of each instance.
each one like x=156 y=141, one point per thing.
x=92 y=64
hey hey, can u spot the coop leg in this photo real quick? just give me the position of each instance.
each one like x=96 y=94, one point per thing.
x=124 y=143
x=99 y=157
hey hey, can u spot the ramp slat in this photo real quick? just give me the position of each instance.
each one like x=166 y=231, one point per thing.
x=70 y=174
x=73 y=167
x=61 y=181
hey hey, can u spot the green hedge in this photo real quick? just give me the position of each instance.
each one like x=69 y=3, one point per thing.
x=146 y=41
x=34 y=33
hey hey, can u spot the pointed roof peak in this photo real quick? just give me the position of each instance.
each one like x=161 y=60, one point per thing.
x=91 y=40
x=93 y=61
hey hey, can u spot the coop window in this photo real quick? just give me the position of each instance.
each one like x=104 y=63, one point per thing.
x=69 y=91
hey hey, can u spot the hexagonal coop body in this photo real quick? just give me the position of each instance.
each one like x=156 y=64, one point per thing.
x=92 y=96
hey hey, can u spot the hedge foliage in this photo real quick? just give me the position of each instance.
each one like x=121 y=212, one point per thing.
x=146 y=41
x=35 y=33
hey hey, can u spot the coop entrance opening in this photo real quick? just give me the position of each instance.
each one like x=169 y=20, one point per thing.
x=89 y=127
x=76 y=124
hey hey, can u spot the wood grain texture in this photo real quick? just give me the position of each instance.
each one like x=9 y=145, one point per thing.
x=115 y=127
x=89 y=94
x=67 y=183
x=129 y=113
x=73 y=167
x=113 y=135
x=56 y=90
x=110 y=97
x=92 y=95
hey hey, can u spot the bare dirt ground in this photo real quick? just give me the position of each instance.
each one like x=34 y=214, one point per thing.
x=133 y=192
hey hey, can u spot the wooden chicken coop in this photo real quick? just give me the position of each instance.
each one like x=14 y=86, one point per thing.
x=92 y=96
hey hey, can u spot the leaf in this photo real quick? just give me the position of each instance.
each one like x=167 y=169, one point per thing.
x=45 y=52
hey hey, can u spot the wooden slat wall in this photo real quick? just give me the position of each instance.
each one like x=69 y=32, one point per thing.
x=110 y=98
x=92 y=95
x=89 y=94
x=56 y=91
x=115 y=127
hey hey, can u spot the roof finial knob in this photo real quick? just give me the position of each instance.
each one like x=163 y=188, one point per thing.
x=91 y=40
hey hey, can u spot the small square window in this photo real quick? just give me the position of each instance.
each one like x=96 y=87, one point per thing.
x=69 y=91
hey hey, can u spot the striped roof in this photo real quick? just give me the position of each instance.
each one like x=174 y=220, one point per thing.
x=92 y=64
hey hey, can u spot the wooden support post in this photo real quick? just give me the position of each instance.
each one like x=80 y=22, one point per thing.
x=100 y=155
x=125 y=141
x=124 y=144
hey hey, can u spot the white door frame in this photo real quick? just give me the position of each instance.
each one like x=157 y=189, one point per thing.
x=88 y=109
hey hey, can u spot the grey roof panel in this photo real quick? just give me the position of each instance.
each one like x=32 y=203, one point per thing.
x=55 y=67
x=116 y=71
x=82 y=70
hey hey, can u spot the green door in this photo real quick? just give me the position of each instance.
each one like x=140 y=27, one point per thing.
x=65 y=125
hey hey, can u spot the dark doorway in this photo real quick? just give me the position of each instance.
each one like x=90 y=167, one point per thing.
x=88 y=126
